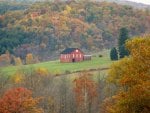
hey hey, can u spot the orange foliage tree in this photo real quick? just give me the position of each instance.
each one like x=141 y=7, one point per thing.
x=29 y=58
x=19 y=100
x=131 y=76
x=85 y=91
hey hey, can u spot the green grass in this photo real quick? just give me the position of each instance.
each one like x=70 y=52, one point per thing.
x=55 y=67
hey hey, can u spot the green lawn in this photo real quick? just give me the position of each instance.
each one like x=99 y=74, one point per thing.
x=56 y=67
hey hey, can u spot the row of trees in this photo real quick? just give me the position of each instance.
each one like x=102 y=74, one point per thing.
x=8 y=59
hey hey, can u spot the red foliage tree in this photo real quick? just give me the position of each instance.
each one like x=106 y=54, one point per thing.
x=19 y=100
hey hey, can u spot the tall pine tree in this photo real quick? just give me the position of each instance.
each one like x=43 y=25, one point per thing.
x=123 y=36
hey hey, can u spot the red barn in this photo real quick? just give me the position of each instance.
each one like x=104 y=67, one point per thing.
x=71 y=55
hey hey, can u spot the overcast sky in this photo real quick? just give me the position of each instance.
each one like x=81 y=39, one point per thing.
x=141 y=1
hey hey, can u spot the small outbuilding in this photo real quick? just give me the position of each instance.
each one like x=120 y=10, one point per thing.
x=71 y=55
x=87 y=57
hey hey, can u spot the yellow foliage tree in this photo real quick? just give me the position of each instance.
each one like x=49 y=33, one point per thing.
x=18 y=61
x=132 y=76
x=67 y=10
x=29 y=58
x=18 y=77
x=42 y=71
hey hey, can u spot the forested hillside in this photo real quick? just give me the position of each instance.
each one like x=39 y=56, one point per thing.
x=47 y=27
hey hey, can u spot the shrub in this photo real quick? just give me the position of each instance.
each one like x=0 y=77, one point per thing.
x=100 y=55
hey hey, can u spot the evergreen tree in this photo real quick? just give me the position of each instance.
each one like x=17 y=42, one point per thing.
x=123 y=51
x=123 y=36
x=113 y=54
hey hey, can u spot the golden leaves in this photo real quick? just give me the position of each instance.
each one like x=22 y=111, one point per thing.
x=18 y=77
x=42 y=71
x=29 y=58
x=132 y=74
x=18 y=61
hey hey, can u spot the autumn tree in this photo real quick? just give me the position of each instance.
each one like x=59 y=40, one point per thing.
x=114 y=54
x=42 y=71
x=29 y=58
x=85 y=92
x=18 y=77
x=5 y=59
x=131 y=76
x=18 y=61
x=19 y=100
x=40 y=82
x=123 y=36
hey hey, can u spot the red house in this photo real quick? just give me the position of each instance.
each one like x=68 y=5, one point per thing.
x=71 y=55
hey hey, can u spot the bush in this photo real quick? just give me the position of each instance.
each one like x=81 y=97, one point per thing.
x=100 y=55
x=67 y=72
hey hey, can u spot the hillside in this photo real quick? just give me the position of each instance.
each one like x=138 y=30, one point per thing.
x=46 y=28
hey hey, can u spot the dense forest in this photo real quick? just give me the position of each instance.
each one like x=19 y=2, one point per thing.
x=46 y=28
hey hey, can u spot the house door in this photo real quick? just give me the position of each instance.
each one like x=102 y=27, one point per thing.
x=73 y=60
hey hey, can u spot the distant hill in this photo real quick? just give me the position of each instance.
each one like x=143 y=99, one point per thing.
x=126 y=2
x=46 y=28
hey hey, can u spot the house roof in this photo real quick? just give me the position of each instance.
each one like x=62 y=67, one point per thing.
x=69 y=50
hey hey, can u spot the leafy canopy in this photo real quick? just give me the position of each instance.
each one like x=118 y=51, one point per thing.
x=131 y=75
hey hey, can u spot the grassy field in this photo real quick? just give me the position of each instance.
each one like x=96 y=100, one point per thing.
x=55 y=67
